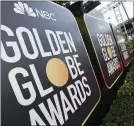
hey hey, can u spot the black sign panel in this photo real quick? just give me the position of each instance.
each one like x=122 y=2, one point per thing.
x=97 y=14
x=105 y=48
x=120 y=39
x=47 y=78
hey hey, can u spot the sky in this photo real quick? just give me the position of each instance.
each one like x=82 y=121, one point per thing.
x=129 y=8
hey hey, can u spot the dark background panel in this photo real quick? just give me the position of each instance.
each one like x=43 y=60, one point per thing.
x=12 y=112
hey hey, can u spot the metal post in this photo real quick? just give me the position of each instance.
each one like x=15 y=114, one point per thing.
x=124 y=9
x=122 y=21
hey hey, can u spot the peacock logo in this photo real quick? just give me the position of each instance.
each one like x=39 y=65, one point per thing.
x=23 y=8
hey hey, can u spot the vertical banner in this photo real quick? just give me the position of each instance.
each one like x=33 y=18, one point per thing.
x=120 y=39
x=105 y=48
x=46 y=75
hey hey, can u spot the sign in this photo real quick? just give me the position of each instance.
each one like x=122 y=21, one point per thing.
x=120 y=38
x=97 y=13
x=105 y=48
x=47 y=77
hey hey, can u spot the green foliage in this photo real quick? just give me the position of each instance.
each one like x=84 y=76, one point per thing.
x=130 y=45
x=122 y=110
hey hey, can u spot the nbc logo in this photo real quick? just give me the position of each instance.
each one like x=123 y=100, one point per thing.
x=24 y=9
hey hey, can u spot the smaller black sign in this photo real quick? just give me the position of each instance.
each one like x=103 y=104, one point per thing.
x=120 y=38
x=105 y=48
